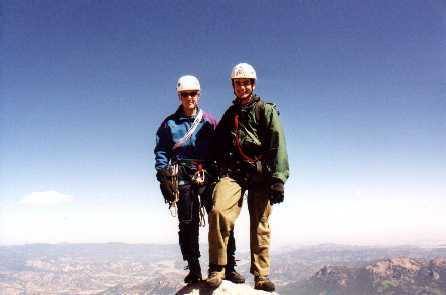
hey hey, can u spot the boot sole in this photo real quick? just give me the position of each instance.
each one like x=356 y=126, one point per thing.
x=265 y=289
x=236 y=281
x=214 y=285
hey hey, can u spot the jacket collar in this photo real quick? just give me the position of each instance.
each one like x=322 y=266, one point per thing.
x=247 y=106
x=179 y=113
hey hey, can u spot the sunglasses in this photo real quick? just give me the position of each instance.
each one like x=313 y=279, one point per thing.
x=188 y=93
x=243 y=82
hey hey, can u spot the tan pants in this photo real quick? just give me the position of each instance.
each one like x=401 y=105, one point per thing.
x=228 y=200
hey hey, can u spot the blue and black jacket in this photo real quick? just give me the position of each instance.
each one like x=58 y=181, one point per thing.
x=173 y=128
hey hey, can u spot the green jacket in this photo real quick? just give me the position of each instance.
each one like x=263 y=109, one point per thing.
x=263 y=138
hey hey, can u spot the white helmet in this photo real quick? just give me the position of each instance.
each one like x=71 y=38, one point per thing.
x=188 y=82
x=243 y=70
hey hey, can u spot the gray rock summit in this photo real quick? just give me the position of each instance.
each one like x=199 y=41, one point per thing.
x=226 y=288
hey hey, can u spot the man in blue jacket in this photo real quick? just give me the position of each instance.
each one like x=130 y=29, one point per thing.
x=183 y=163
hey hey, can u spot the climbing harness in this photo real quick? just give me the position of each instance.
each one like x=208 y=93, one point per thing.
x=198 y=179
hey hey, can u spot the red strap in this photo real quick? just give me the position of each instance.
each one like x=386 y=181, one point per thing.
x=198 y=165
x=237 y=142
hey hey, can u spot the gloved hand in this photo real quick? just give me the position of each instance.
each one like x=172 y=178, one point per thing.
x=168 y=189
x=276 y=192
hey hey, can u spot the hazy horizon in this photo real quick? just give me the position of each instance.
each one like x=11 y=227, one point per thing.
x=245 y=248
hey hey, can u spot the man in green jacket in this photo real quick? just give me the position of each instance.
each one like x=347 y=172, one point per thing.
x=249 y=146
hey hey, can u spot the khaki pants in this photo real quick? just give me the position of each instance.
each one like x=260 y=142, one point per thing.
x=227 y=201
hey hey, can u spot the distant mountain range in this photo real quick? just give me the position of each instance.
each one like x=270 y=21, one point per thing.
x=116 y=268
x=400 y=275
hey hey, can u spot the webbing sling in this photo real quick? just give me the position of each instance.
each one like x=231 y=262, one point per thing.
x=189 y=132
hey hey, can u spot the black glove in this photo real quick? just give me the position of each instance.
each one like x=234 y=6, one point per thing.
x=168 y=189
x=276 y=192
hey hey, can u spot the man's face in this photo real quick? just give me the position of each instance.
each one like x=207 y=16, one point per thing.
x=243 y=89
x=189 y=99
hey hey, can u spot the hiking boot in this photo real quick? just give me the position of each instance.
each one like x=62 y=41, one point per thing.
x=215 y=276
x=231 y=274
x=263 y=283
x=234 y=276
x=194 y=274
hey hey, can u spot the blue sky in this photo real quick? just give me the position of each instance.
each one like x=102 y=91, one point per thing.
x=361 y=86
